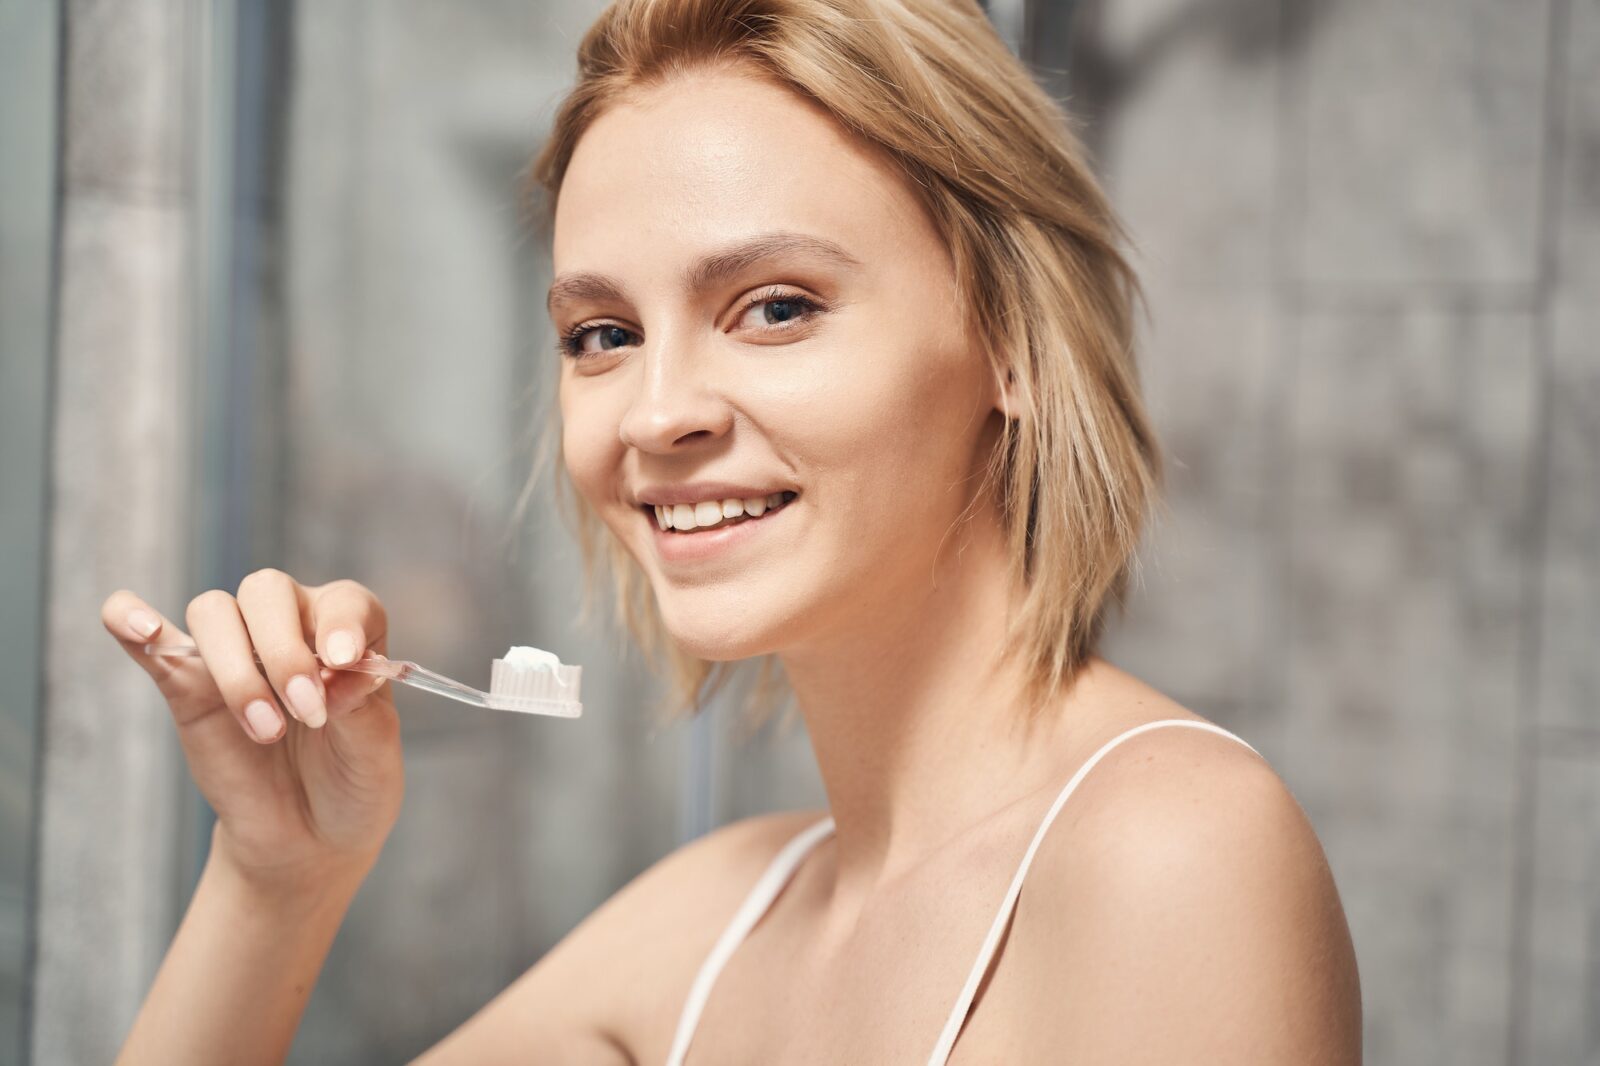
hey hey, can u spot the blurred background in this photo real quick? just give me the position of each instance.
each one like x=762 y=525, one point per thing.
x=265 y=301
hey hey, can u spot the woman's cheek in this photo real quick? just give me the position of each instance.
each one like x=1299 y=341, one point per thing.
x=585 y=453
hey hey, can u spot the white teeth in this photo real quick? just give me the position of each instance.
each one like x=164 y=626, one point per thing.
x=687 y=516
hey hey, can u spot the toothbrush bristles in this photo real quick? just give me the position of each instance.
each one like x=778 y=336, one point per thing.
x=543 y=690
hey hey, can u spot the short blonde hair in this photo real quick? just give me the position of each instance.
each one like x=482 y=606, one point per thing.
x=1035 y=245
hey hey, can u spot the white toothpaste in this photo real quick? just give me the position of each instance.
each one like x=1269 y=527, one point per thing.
x=525 y=658
x=533 y=680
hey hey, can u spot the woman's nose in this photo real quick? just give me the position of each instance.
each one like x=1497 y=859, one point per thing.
x=675 y=404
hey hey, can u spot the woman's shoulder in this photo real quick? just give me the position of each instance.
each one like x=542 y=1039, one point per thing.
x=735 y=854
x=1183 y=876
x=677 y=907
x=1171 y=790
x=666 y=920
x=652 y=934
x=1172 y=794
x=1165 y=768
x=697 y=887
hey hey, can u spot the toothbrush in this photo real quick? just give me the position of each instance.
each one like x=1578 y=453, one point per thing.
x=514 y=685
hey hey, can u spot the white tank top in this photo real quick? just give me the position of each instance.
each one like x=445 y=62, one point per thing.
x=783 y=866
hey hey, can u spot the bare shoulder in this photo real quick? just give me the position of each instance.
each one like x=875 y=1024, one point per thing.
x=611 y=990
x=1182 y=908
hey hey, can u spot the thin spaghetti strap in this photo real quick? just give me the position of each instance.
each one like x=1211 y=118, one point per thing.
x=958 y=1015
x=766 y=889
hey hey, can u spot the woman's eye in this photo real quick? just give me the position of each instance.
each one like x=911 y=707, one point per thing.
x=607 y=337
x=780 y=311
x=777 y=313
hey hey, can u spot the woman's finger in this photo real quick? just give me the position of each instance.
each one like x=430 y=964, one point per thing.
x=351 y=624
x=347 y=619
x=271 y=603
x=183 y=682
x=219 y=631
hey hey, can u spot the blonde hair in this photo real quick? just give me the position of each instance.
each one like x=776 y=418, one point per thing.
x=1035 y=247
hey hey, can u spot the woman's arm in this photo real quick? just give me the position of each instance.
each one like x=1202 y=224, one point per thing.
x=239 y=972
x=302 y=765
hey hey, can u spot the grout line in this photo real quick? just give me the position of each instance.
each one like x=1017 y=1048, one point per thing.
x=1527 y=750
x=27 y=998
x=1473 y=296
x=1290 y=190
x=1580 y=743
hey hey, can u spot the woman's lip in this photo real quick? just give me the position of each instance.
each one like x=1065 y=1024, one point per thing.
x=700 y=492
x=692 y=547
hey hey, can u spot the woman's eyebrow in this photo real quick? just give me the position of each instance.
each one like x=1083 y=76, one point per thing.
x=720 y=265
x=715 y=267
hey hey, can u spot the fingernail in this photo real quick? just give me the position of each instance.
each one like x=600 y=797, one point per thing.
x=263 y=720
x=341 y=648
x=143 y=622
x=306 y=701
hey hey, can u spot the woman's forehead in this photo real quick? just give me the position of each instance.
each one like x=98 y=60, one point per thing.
x=711 y=157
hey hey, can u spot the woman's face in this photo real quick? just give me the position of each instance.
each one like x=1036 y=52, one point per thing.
x=764 y=308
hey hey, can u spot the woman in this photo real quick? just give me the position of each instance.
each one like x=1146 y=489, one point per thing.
x=831 y=277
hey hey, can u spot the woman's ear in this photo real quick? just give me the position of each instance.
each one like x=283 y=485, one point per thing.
x=1006 y=400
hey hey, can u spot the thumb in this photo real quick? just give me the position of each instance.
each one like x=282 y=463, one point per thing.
x=361 y=711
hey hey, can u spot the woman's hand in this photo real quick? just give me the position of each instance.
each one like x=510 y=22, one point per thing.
x=302 y=799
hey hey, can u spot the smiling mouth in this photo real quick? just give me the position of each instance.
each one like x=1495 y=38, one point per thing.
x=686 y=518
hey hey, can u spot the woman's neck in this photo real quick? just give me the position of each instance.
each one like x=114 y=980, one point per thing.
x=917 y=728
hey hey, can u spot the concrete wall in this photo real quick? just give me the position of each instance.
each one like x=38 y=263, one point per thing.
x=108 y=886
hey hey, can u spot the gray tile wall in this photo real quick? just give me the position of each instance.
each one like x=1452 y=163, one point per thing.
x=1372 y=251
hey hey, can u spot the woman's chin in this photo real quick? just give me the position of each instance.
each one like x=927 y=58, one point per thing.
x=718 y=648
x=721 y=640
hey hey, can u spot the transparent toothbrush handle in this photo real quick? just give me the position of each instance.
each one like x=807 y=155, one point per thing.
x=401 y=670
x=379 y=667
x=428 y=681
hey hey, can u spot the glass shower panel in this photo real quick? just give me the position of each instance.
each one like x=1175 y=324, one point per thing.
x=29 y=51
x=412 y=372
